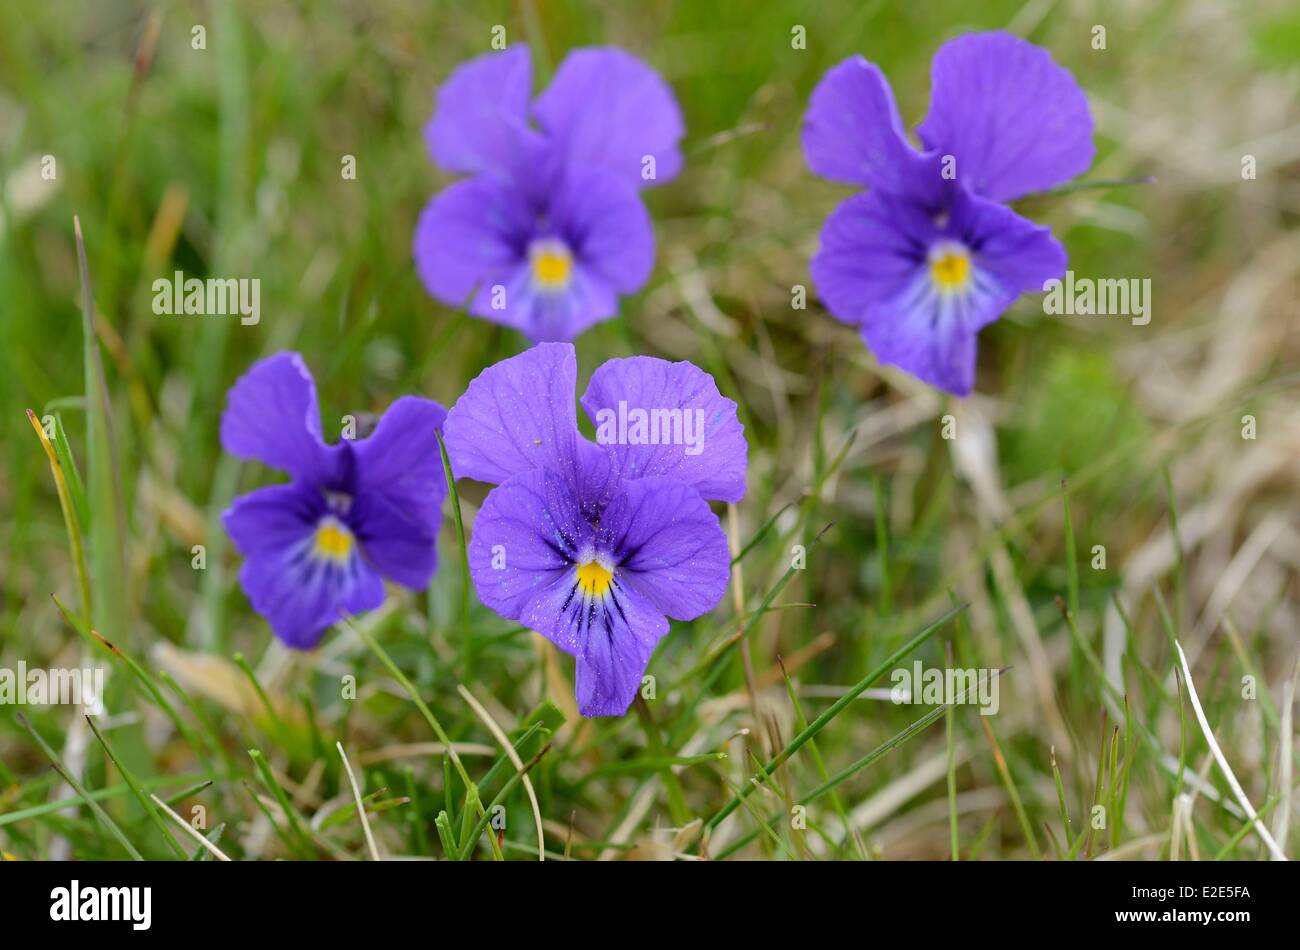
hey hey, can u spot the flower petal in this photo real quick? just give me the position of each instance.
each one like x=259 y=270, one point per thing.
x=517 y=415
x=1015 y=121
x=472 y=235
x=872 y=252
x=852 y=132
x=559 y=316
x=272 y=416
x=872 y=271
x=669 y=557
x=697 y=438
x=300 y=595
x=669 y=546
x=667 y=553
x=617 y=644
x=301 y=598
x=603 y=220
x=608 y=108
x=526 y=538
x=600 y=222
x=397 y=508
x=273 y=518
x=480 y=122
x=1016 y=253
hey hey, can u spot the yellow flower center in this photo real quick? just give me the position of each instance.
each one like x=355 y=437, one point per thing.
x=950 y=268
x=333 y=540
x=552 y=265
x=593 y=578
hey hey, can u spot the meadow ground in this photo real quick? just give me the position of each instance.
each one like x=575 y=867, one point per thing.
x=1113 y=488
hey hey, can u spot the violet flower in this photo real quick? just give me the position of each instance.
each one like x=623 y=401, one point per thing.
x=596 y=545
x=550 y=230
x=352 y=514
x=930 y=254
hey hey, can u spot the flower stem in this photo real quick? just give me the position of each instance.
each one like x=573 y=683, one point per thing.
x=466 y=647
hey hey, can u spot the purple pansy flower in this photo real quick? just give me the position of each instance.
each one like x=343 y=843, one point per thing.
x=930 y=254
x=550 y=229
x=352 y=514
x=596 y=545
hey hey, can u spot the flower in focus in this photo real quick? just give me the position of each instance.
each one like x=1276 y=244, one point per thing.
x=352 y=513
x=550 y=229
x=930 y=254
x=596 y=544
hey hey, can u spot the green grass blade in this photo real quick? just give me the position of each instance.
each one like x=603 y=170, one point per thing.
x=71 y=518
x=94 y=806
x=139 y=793
x=834 y=710
x=107 y=514
x=845 y=774
x=464 y=640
